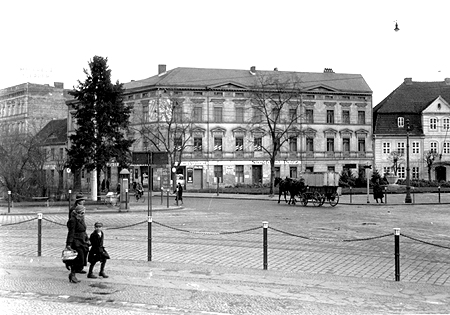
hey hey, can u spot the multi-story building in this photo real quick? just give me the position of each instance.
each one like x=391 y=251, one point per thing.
x=28 y=107
x=333 y=132
x=424 y=106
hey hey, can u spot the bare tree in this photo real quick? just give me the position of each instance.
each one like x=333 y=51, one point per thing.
x=275 y=102
x=396 y=157
x=167 y=128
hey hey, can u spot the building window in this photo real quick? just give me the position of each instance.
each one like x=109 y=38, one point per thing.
x=415 y=172
x=309 y=115
x=277 y=144
x=434 y=147
x=330 y=116
x=145 y=116
x=293 y=114
x=239 y=114
x=401 y=148
x=217 y=144
x=446 y=123
x=52 y=154
x=239 y=94
x=198 y=114
x=415 y=147
x=239 y=173
x=330 y=144
x=218 y=93
x=446 y=149
x=361 y=145
x=309 y=169
x=293 y=144
x=217 y=114
x=198 y=93
x=198 y=144
x=433 y=123
x=361 y=117
x=177 y=113
x=346 y=117
x=257 y=115
x=386 y=169
x=386 y=148
x=239 y=144
x=257 y=144
x=178 y=143
x=218 y=172
x=293 y=172
x=277 y=171
x=309 y=144
x=346 y=144
x=331 y=168
x=400 y=122
x=401 y=172
x=61 y=153
x=276 y=114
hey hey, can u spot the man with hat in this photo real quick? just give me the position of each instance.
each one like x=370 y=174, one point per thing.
x=79 y=200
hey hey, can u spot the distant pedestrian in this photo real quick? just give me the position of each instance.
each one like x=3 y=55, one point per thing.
x=77 y=240
x=97 y=252
x=378 y=191
x=179 y=193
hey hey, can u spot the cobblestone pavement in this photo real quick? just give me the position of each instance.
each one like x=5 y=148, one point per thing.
x=211 y=252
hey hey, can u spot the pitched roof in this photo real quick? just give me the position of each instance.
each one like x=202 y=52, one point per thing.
x=413 y=97
x=54 y=132
x=201 y=78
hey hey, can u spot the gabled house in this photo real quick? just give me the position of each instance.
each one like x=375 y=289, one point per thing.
x=425 y=106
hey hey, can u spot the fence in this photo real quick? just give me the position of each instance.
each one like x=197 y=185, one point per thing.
x=439 y=274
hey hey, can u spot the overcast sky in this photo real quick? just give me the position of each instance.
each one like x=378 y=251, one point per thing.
x=47 y=41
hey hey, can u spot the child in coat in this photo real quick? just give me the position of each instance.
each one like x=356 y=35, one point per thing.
x=97 y=252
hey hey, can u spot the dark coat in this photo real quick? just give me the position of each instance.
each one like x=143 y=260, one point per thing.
x=97 y=250
x=77 y=239
x=377 y=191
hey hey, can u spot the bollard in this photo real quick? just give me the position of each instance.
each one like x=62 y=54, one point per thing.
x=265 y=226
x=162 y=195
x=397 y=253
x=385 y=194
x=39 y=234
x=167 y=198
x=413 y=196
x=149 y=254
x=351 y=194
x=126 y=199
x=9 y=201
x=439 y=193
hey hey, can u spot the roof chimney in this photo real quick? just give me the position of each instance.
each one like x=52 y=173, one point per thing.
x=328 y=70
x=275 y=69
x=161 y=69
x=253 y=70
x=408 y=81
x=447 y=81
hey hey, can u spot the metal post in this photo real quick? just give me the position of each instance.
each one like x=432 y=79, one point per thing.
x=367 y=179
x=385 y=194
x=408 y=187
x=126 y=199
x=149 y=255
x=9 y=201
x=162 y=194
x=70 y=197
x=217 y=186
x=265 y=226
x=351 y=194
x=397 y=253
x=167 y=198
x=39 y=234
x=413 y=195
x=439 y=193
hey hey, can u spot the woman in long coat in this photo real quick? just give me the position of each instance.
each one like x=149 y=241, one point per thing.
x=378 y=191
x=77 y=240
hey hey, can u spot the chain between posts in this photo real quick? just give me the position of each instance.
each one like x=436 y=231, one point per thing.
x=206 y=233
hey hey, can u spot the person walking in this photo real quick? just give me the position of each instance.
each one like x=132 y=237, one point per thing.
x=378 y=191
x=179 y=193
x=97 y=252
x=77 y=240
x=79 y=200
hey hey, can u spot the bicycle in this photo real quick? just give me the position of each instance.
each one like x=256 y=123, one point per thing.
x=112 y=200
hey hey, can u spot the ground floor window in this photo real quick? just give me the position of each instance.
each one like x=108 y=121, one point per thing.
x=239 y=173
x=218 y=172
x=415 y=172
x=386 y=169
x=401 y=172
x=277 y=171
x=293 y=172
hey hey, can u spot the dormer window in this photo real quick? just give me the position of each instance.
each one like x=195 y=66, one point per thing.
x=401 y=122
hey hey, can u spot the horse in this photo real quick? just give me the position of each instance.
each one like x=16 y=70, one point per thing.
x=293 y=186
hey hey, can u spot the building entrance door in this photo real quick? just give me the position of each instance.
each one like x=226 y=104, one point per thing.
x=441 y=173
x=198 y=178
x=257 y=174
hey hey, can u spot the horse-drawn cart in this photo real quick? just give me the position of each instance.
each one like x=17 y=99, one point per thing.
x=320 y=187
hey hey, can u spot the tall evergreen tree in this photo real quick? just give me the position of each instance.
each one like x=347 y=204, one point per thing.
x=102 y=120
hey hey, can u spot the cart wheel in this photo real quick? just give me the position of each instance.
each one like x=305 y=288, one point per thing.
x=334 y=199
x=317 y=199
x=304 y=199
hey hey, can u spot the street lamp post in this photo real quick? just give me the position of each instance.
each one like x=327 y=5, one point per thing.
x=408 y=187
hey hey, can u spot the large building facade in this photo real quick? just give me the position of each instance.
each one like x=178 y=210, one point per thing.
x=332 y=131
x=424 y=107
